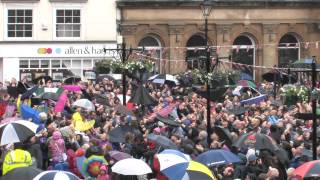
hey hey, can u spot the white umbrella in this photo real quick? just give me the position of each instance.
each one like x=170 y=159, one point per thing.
x=84 y=103
x=56 y=175
x=164 y=78
x=131 y=166
x=17 y=131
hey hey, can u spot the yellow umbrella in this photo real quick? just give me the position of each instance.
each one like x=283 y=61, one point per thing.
x=84 y=125
x=197 y=170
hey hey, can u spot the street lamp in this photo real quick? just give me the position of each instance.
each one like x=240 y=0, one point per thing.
x=206 y=10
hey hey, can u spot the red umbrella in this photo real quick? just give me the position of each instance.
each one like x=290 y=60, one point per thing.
x=164 y=112
x=308 y=170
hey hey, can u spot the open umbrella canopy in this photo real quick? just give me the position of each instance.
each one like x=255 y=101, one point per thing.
x=84 y=125
x=254 y=100
x=131 y=166
x=114 y=77
x=72 y=80
x=309 y=169
x=13 y=91
x=224 y=135
x=258 y=141
x=197 y=171
x=217 y=157
x=29 y=93
x=118 y=134
x=246 y=83
x=162 y=141
x=169 y=121
x=280 y=77
x=303 y=63
x=50 y=96
x=91 y=166
x=25 y=173
x=164 y=79
x=117 y=155
x=85 y=104
x=27 y=112
x=17 y=131
x=142 y=97
x=56 y=175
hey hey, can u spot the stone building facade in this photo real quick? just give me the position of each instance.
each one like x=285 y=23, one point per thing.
x=254 y=32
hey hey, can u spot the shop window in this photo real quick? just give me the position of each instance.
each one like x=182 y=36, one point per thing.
x=55 y=64
x=66 y=63
x=68 y=22
x=87 y=63
x=19 y=23
x=76 y=63
x=44 y=63
x=34 y=64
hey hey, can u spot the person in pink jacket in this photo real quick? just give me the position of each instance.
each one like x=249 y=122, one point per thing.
x=57 y=148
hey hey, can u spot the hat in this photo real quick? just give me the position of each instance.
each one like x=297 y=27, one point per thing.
x=252 y=157
x=56 y=135
x=157 y=130
x=103 y=168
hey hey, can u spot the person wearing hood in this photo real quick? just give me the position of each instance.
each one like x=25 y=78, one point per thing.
x=57 y=148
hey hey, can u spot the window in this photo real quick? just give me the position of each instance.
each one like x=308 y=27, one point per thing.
x=19 y=23
x=288 y=50
x=34 y=64
x=68 y=23
x=24 y=64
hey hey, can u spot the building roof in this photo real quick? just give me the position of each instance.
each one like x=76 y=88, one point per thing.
x=217 y=3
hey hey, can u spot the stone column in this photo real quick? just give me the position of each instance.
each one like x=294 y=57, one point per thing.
x=223 y=40
x=175 y=40
x=128 y=33
x=270 y=52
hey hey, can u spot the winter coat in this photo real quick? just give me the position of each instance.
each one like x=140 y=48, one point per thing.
x=57 y=147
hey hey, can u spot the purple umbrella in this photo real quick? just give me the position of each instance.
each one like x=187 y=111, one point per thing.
x=117 y=155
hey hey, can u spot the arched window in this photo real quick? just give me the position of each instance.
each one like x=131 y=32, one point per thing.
x=244 y=52
x=153 y=45
x=195 y=56
x=288 y=50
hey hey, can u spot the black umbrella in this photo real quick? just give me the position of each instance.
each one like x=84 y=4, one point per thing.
x=100 y=99
x=29 y=93
x=162 y=141
x=277 y=76
x=123 y=110
x=13 y=91
x=216 y=94
x=72 y=80
x=105 y=76
x=224 y=135
x=50 y=95
x=41 y=79
x=238 y=110
x=256 y=140
x=169 y=121
x=118 y=134
x=22 y=87
x=142 y=97
x=25 y=173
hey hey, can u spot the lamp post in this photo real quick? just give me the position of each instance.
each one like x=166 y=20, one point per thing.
x=206 y=10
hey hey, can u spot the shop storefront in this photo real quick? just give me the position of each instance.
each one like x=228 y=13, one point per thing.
x=56 y=60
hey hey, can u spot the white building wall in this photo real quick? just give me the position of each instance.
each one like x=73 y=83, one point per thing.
x=10 y=68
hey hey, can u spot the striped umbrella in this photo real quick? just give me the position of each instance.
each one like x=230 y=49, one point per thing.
x=17 y=131
x=56 y=175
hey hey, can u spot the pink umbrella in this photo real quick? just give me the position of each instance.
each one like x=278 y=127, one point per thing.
x=61 y=102
x=72 y=87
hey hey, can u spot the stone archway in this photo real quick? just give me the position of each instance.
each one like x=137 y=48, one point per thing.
x=195 y=51
x=288 y=49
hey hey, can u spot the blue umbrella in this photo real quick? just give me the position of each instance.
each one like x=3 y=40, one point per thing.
x=28 y=112
x=217 y=157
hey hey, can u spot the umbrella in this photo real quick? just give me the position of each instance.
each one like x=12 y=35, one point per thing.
x=256 y=140
x=29 y=93
x=113 y=77
x=176 y=152
x=61 y=102
x=84 y=103
x=164 y=112
x=91 y=166
x=100 y=99
x=245 y=76
x=84 y=125
x=173 y=165
x=25 y=173
x=162 y=141
x=246 y=83
x=223 y=134
x=117 y=155
x=131 y=166
x=309 y=169
x=13 y=91
x=40 y=91
x=169 y=121
x=28 y=112
x=216 y=94
x=254 y=100
x=8 y=120
x=142 y=97
x=197 y=171
x=17 y=131
x=120 y=97
x=164 y=79
x=237 y=110
x=118 y=134
x=42 y=78
x=217 y=157
x=50 y=96
x=72 y=80
x=55 y=175
x=123 y=110
x=277 y=76
x=303 y=63
x=74 y=88
x=22 y=87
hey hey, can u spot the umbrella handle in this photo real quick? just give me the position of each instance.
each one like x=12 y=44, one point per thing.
x=158 y=150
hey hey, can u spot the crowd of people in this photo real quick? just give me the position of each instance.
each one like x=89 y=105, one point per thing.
x=59 y=141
